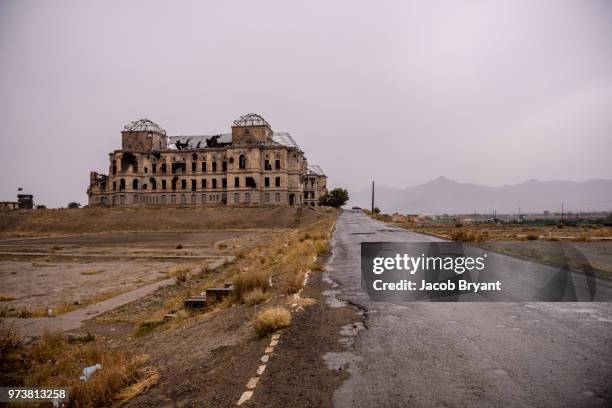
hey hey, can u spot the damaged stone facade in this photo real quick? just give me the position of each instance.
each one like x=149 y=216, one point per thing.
x=251 y=166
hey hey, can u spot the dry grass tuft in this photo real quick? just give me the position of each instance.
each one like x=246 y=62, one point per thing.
x=270 y=320
x=294 y=283
x=322 y=248
x=91 y=272
x=41 y=264
x=10 y=339
x=147 y=327
x=466 y=236
x=532 y=236
x=6 y=298
x=149 y=377
x=255 y=297
x=25 y=313
x=204 y=270
x=54 y=362
x=181 y=273
x=247 y=281
x=63 y=308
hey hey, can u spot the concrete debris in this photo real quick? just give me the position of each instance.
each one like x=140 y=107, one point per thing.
x=216 y=294
x=196 y=302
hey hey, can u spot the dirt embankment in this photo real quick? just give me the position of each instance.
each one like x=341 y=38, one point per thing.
x=94 y=220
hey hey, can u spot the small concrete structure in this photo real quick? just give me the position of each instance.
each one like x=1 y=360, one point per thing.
x=216 y=294
x=196 y=302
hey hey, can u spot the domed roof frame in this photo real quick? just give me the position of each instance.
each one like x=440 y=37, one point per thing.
x=144 y=125
x=251 y=119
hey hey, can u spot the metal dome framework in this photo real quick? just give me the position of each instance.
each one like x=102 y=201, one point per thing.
x=144 y=125
x=251 y=119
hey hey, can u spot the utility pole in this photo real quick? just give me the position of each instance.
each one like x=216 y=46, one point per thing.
x=372 y=209
x=561 y=213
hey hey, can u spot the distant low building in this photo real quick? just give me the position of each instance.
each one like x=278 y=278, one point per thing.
x=24 y=202
x=9 y=205
x=404 y=217
x=252 y=165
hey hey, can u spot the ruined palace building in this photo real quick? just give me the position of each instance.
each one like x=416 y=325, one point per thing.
x=252 y=165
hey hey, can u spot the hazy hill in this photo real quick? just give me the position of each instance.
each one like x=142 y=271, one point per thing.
x=448 y=196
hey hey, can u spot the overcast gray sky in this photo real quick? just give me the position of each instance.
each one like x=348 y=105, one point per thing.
x=490 y=92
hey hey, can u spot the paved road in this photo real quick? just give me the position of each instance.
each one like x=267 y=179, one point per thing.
x=467 y=354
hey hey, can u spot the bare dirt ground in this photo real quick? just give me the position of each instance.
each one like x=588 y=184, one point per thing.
x=207 y=359
x=510 y=232
x=201 y=357
x=37 y=274
x=574 y=255
x=556 y=245
x=146 y=239
x=47 y=285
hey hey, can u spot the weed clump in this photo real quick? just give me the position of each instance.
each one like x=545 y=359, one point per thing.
x=181 y=274
x=322 y=248
x=147 y=327
x=10 y=339
x=247 y=281
x=6 y=298
x=270 y=320
x=294 y=283
x=466 y=236
x=255 y=297
x=55 y=362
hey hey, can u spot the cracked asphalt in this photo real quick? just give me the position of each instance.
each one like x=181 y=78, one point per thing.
x=419 y=354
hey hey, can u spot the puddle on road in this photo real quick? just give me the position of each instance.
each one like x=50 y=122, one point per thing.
x=332 y=300
x=328 y=280
x=344 y=360
x=349 y=333
x=330 y=295
x=341 y=361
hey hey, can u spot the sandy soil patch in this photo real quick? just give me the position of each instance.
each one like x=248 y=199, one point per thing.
x=56 y=273
x=41 y=285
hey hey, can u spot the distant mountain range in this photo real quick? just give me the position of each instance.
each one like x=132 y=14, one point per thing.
x=444 y=196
